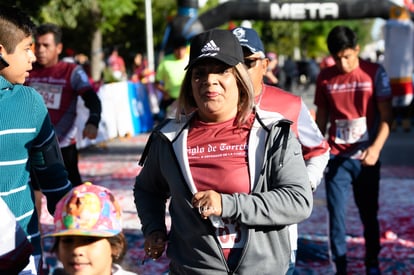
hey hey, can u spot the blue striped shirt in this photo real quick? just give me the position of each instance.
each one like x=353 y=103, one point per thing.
x=24 y=125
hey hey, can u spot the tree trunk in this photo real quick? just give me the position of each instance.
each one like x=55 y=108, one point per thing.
x=97 y=55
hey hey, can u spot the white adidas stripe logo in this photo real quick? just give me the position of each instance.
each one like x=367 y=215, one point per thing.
x=210 y=47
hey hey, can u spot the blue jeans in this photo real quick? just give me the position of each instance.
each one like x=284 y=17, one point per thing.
x=342 y=173
x=292 y=262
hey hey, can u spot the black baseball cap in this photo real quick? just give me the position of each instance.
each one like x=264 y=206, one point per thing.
x=218 y=44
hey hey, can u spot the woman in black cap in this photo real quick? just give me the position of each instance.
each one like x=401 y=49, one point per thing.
x=234 y=175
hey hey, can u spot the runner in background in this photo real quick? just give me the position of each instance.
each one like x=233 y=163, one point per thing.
x=61 y=83
x=354 y=99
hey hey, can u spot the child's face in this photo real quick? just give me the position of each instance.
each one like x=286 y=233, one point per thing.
x=20 y=62
x=85 y=255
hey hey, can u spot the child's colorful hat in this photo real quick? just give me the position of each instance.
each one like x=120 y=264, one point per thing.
x=87 y=210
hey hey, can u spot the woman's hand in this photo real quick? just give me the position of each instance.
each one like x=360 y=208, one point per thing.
x=208 y=203
x=155 y=244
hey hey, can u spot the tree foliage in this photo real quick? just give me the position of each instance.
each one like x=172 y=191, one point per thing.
x=71 y=13
x=122 y=23
x=307 y=36
x=86 y=22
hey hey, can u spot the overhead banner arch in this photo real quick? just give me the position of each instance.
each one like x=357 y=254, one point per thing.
x=287 y=11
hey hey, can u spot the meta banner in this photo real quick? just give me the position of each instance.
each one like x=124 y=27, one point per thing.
x=288 y=11
x=303 y=11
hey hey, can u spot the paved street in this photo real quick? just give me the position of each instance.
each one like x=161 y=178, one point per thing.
x=114 y=164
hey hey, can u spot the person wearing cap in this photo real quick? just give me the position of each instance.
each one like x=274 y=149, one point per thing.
x=269 y=98
x=88 y=232
x=233 y=174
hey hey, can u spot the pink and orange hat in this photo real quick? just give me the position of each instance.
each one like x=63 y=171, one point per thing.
x=87 y=210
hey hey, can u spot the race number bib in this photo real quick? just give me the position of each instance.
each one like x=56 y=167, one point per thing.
x=351 y=131
x=52 y=94
x=231 y=234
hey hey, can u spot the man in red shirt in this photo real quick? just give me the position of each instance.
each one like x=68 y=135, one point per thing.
x=61 y=83
x=354 y=97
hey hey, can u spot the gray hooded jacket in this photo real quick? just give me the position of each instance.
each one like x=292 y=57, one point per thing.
x=280 y=195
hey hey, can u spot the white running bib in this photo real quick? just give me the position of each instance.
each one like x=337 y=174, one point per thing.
x=350 y=131
x=52 y=94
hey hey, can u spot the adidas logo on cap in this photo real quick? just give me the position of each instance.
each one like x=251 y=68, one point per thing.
x=209 y=49
x=219 y=44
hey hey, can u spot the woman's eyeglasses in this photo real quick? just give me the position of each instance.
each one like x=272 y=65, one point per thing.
x=251 y=62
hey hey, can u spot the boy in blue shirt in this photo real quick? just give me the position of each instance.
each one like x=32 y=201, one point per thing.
x=28 y=145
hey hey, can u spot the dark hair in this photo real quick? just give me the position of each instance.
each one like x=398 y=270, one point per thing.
x=179 y=43
x=341 y=38
x=117 y=242
x=15 y=26
x=50 y=28
x=119 y=247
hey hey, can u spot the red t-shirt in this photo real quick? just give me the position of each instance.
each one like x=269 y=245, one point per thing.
x=60 y=86
x=351 y=99
x=217 y=156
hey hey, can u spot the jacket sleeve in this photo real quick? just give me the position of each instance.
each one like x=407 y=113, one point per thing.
x=47 y=166
x=310 y=137
x=151 y=191
x=283 y=197
x=315 y=148
x=316 y=167
x=80 y=83
x=93 y=103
